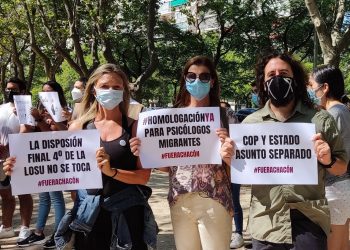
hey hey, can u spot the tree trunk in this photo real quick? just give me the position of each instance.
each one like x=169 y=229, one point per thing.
x=332 y=42
x=71 y=13
x=32 y=60
x=153 y=64
x=16 y=60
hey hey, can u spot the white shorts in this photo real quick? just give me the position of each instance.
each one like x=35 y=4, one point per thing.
x=338 y=196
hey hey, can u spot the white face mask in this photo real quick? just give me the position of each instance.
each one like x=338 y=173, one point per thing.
x=77 y=94
x=109 y=98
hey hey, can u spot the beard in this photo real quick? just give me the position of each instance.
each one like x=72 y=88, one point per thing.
x=282 y=102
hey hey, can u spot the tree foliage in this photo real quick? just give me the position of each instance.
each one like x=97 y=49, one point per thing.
x=62 y=40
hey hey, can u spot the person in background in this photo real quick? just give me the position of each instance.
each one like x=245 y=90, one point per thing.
x=200 y=196
x=293 y=216
x=255 y=97
x=346 y=101
x=229 y=112
x=77 y=96
x=46 y=123
x=9 y=124
x=327 y=88
x=237 y=237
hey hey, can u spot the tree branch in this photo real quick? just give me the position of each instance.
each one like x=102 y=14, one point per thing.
x=153 y=63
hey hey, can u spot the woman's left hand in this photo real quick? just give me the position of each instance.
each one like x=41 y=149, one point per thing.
x=227 y=150
x=103 y=163
x=66 y=114
x=222 y=133
x=135 y=144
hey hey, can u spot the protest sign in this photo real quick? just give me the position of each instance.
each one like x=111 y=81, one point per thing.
x=273 y=153
x=53 y=161
x=23 y=104
x=179 y=136
x=52 y=104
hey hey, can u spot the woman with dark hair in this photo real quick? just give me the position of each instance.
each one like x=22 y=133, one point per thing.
x=327 y=88
x=44 y=122
x=41 y=115
x=199 y=195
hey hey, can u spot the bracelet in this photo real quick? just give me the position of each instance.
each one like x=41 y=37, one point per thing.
x=116 y=172
x=333 y=160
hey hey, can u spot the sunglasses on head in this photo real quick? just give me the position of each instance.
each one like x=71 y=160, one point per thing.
x=203 y=77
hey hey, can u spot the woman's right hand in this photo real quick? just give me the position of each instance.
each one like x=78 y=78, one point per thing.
x=135 y=144
x=35 y=113
x=9 y=163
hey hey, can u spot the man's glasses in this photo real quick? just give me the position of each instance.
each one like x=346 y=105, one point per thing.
x=203 y=77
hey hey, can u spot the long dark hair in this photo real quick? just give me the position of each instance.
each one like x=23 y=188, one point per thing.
x=299 y=75
x=57 y=88
x=334 y=77
x=183 y=97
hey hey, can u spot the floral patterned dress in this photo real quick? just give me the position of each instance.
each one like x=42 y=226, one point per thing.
x=210 y=180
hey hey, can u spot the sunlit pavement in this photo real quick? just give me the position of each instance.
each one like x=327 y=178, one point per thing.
x=158 y=202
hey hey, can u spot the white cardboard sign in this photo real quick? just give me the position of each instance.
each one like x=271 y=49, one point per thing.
x=23 y=104
x=274 y=153
x=54 y=161
x=52 y=104
x=179 y=136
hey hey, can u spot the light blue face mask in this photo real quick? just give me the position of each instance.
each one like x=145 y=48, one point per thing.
x=109 y=98
x=312 y=94
x=198 y=89
x=255 y=99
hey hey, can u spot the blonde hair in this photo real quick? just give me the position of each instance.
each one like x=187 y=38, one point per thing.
x=89 y=103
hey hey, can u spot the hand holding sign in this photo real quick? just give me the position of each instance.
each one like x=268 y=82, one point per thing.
x=53 y=161
x=23 y=104
x=8 y=165
x=280 y=153
x=103 y=162
x=322 y=149
x=52 y=104
x=135 y=144
x=185 y=136
x=226 y=150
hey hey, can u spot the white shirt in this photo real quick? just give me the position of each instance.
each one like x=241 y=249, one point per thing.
x=9 y=122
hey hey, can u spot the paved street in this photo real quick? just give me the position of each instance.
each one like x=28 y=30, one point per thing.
x=158 y=202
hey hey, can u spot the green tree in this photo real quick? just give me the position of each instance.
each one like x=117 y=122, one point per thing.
x=333 y=39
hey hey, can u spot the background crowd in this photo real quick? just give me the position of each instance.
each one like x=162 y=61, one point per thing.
x=202 y=198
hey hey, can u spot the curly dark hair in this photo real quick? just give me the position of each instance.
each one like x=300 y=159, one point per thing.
x=299 y=74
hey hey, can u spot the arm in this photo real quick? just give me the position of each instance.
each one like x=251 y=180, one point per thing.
x=139 y=176
x=226 y=150
x=75 y=125
x=324 y=156
x=58 y=126
x=24 y=128
x=40 y=122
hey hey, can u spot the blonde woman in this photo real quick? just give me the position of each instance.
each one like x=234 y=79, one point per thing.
x=119 y=218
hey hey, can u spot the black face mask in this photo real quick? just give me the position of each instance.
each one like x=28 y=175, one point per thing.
x=10 y=94
x=280 y=90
